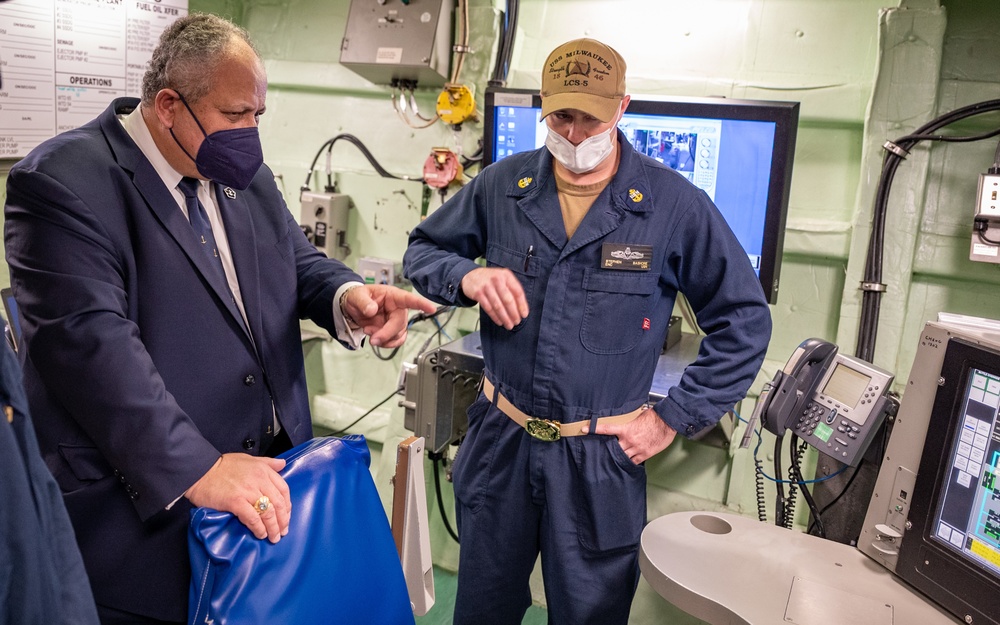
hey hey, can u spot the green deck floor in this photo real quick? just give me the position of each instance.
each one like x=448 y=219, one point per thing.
x=444 y=603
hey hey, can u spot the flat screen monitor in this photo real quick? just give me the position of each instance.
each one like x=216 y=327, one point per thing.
x=739 y=152
x=952 y=551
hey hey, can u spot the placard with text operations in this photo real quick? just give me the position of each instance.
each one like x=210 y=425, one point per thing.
x=63 y=61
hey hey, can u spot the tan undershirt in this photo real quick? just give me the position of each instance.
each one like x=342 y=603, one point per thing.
x=576 y=199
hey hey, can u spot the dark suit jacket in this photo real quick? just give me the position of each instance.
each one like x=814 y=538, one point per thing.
x=137 y=366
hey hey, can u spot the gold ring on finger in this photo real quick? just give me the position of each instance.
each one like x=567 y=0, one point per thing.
x=262 y=505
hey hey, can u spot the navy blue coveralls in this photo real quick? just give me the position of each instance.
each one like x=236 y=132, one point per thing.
x=588 y=348
x=42 y=577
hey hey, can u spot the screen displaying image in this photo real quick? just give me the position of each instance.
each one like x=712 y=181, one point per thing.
x=689 y=146
x=738 y=152
x=517 y=130
x=967 y=517
x=846 y=386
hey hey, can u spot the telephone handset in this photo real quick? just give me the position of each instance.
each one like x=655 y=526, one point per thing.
x=833 y=401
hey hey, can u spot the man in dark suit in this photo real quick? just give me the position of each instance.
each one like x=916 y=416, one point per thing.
x=161 y=280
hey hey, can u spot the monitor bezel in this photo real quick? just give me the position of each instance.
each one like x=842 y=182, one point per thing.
x=954 y=582
x=785 y=116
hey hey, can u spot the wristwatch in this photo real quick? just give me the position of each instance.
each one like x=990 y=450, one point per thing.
x=351 y=323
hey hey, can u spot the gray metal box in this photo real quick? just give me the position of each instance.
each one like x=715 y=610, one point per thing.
x=391 y=40
x=439 y=390
x=324 y=219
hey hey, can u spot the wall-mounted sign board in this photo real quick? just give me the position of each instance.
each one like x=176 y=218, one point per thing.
x=63 y=61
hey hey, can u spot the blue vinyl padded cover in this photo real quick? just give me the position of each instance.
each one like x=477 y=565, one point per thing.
x=338 y=563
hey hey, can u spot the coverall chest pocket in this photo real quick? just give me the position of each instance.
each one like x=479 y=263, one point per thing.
x=616 y=304
x=522 y=263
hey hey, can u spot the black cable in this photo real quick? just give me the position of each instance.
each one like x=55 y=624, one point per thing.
x=514 y=6
x=501 y=69
x=758 y=476
x=794 y=481
x=813 y=509
x=951 y=138
x=779 y=500
x=420 y=316
x=378 y=352
x=895 y=153
x=469 y=161
x=873 y=265
x=328 y=146
x=834 y=501
x=451 y=310
x=981 y=227
x=495 y=78
x=437 y=488
x=371 y=410
x=982 y=237
x=475 y=159
x=440 y=310
x=505 y=49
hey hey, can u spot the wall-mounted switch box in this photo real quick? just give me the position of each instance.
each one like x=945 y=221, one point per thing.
x=324 y=218
x=389 y=41
x=380 y=271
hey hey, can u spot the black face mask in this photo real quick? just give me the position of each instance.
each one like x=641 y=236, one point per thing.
x=229 y=157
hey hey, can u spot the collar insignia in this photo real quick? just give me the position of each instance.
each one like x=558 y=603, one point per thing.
x=524 y=182
x=229 y=193
x=635 y=195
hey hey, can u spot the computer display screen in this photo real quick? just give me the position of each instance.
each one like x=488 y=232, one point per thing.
x=739 y=152
x=846 y=385
x=952 y=552
x=967 y=516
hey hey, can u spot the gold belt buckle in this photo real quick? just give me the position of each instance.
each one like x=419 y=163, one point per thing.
x=543 y=429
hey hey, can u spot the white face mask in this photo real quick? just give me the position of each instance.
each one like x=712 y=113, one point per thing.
x=581 y=158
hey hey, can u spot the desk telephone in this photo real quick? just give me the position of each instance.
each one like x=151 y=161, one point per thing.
x=830 y=400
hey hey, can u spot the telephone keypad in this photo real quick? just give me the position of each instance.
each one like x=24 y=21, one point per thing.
x=811 y=416
x=814 y=413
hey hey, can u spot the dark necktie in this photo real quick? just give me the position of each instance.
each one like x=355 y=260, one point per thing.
x=199 y=221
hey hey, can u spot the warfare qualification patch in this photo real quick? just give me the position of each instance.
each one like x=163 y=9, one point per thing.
x=626 y=256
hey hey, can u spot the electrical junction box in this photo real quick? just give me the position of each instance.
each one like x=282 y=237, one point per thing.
x=985 y=246
x=380 y=271
x=324 y=218
x=988 y=200
x=439 y=388
x=388 y=41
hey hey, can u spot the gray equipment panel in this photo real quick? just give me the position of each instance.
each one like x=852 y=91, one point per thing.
x=387 y=41
x=439 y=390
x=885 y=522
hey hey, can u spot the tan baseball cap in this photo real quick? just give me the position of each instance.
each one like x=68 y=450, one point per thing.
x=586 y=75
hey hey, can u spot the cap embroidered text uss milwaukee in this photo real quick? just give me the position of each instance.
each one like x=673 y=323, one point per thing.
x=586 y=75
